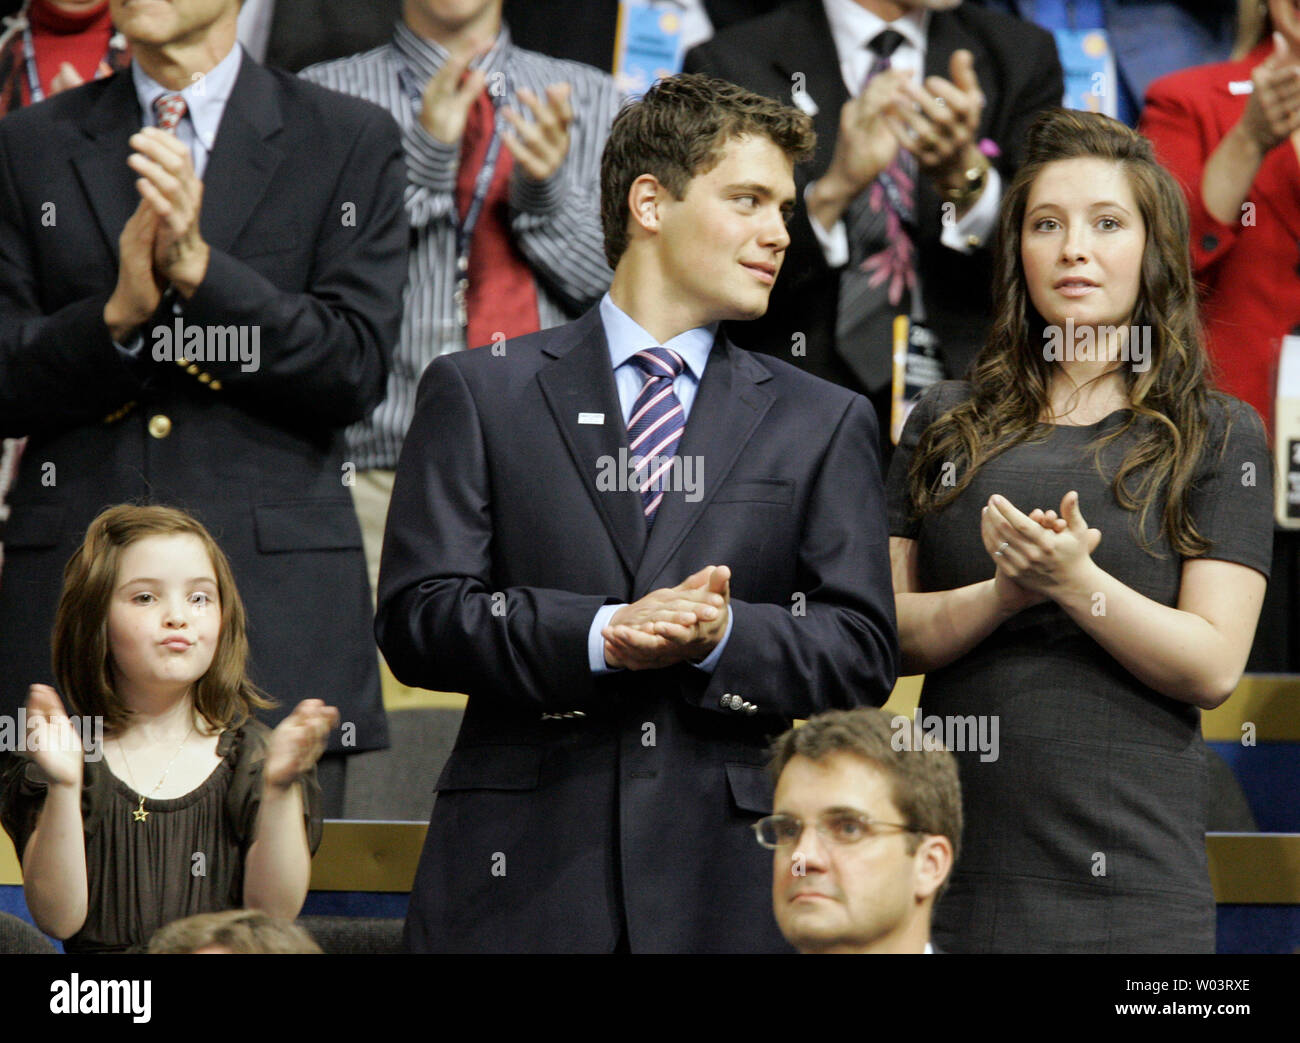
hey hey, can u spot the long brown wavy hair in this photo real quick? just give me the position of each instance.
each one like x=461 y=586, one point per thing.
x=224 y=696
x=1168 y=402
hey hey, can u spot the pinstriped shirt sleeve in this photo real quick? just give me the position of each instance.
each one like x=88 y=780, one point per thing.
x=556 y=223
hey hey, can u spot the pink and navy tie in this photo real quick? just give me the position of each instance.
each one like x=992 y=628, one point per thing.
x=656 y=424
x=170 y=110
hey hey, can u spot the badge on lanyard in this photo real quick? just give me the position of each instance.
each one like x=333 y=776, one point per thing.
x=647 y=44
x=1286 y=434
x=1091 y=83
x=917 y=365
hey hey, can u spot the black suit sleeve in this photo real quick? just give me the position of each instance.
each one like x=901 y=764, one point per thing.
x=835 y=644
x=60 y=369
x=442 y=623
x=325 y=351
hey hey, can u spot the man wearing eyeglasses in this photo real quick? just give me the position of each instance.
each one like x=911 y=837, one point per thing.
x=865 y=834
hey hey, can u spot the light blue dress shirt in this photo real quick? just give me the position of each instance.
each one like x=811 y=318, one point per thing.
x=626 y=338
x=205 y=100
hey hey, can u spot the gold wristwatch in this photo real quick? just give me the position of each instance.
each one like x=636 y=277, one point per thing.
x=973 y=181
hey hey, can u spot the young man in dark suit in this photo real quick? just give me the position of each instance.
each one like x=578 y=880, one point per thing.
x=633 y=613
x=190 y=313
x=921 y=108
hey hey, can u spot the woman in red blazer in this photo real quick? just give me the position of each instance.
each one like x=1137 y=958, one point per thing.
x=1230 y=133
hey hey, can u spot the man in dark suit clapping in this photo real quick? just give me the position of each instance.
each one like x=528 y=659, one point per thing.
x=201 y=271
x=640 y=551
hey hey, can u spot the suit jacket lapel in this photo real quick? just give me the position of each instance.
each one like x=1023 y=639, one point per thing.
x=808 y=57
x=243 y=160
x=581 y=380
x=109 y=183
x=729 y=405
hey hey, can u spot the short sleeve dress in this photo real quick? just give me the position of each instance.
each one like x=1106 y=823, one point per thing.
x=1086 y=833
x=187 y=857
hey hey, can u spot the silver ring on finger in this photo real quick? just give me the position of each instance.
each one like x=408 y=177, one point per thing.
x=1004 y=546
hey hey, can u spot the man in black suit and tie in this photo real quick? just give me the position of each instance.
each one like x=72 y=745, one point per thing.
x=641 y=551
x=190 y=313
x=921 y=107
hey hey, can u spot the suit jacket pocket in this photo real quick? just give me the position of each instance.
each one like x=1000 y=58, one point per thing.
x=307 y=525
x=757 y=490
x=492 y=767
x=751 y=787
x=33 y=526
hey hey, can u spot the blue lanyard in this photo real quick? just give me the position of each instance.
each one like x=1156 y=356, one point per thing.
x=482 y=184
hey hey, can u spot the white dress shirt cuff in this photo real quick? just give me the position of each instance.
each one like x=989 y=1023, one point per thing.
x=710 y=662
x=596 y=643
x=973 y=229
x=834 y=243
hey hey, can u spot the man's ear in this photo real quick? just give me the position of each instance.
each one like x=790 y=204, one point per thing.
x=932 y=864
x=643 y=200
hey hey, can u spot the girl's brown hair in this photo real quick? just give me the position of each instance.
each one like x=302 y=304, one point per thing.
x=1168 y=401
x=224 y=697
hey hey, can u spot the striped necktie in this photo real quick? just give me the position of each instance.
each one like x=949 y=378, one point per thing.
x=170 y=110
x=656 y=424
x=881 y=274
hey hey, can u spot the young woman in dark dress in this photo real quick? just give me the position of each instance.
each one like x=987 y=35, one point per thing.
x=188 y=805
x=1094 y=643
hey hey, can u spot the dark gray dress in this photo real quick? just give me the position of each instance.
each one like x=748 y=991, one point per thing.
x=143 y=875
x=1086 y=834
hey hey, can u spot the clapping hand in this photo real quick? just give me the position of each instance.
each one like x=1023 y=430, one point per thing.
x=450 y=94
x=52 y=741
x=298 y=742
x=671 y=625
x=1039 y=552
x=937 y=123
x=539 y=146
x=173 y=190
x=1273 y=111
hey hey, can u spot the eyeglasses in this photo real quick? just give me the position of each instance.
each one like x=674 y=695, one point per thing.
x=839 y=827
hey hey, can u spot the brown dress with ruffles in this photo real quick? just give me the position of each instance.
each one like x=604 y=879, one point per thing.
x=187 y=857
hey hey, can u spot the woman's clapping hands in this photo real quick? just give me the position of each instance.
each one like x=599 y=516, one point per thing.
x=1038 y=553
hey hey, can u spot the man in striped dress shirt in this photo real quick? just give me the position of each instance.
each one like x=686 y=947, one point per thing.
x=503 y=162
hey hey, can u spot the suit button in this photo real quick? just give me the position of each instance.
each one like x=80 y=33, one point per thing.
x=160 y=426
x=1209 y=243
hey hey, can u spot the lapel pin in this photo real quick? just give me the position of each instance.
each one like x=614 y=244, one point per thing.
x=591 y=418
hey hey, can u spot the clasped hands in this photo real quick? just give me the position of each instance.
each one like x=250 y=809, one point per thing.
x=937 y=123
x=538 y=146
x=160 y=242
x=1039 y=554
x=671 y=625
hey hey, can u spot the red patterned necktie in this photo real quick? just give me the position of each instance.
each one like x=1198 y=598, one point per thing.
x=501 y=297
x=170 y=110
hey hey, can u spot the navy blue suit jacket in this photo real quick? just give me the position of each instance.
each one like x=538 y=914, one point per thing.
x=557 y=833
x=302 y=208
